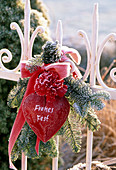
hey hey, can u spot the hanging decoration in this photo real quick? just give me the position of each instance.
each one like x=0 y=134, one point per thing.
x=50 y=88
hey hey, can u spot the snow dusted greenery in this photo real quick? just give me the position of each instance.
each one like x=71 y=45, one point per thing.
x=83 y=103
x=83 y=96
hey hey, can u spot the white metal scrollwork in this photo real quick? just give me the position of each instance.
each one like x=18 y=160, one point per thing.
x=26 y=46
x=39 y=29
x=113 y=74
x=94 y=55
x=100 y=50
x=88 y=47
x=8 y=58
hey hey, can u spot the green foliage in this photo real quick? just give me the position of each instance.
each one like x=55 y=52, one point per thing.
x=26 y=143
x=84 y=101
x=34 y=63
x=83 y=97
x=16 y=95
x=4 y=116
x=96 y=98
x=39 y=6
x=72 y=131
x=10 y=12
x=6 y=121
x=92 y=121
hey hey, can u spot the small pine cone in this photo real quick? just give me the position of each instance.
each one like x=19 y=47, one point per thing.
x=51 y=52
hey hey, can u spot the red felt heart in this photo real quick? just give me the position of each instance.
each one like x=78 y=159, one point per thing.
x=45 y=118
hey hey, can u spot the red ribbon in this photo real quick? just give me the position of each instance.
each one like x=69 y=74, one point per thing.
x=63 y=70
x=75 y=58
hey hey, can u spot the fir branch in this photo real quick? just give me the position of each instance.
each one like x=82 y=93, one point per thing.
x=82 y=96
x=4 y=118
x=97 y=97
x=33 y=64
x=78 y=90
x=101 y=94
x=91 y=120
x=49 y=148
x=15 y=152
x=79 y=94
x=85 y=109
x=16 y=94
x=70 y=138
x=26 y=143
x=84 y=101
x=77 y=109
x=73 y=131
x=97 y=104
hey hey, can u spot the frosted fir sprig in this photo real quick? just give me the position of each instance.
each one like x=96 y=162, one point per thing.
x=33 y=64
x=72 y=132
x=97 y=97
x=101 y=94
x=82 y=96
x=26 y=143
x=91 y=120
x=16 y=94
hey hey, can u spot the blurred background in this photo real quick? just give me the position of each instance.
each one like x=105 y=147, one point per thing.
x=75 y=15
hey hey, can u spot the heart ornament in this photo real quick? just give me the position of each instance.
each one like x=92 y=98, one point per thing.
x=45 y=117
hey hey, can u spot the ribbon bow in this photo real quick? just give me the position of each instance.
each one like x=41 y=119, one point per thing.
x=75 y=58
x=63 y=68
